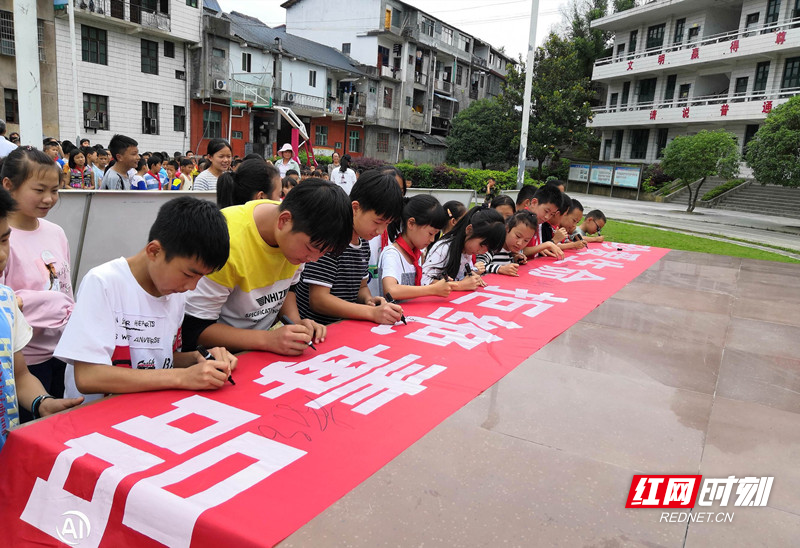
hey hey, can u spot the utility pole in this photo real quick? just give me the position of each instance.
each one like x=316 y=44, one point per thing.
x=29 y=83
x=77 y=101
x=526 y=102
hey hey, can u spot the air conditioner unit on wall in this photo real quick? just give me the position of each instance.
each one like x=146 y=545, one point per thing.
x=288 y=97
x=220 y=85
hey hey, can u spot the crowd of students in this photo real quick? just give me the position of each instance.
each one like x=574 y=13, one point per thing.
x=266 y=268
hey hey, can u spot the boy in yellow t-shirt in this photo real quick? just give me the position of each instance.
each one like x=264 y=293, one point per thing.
x=270 y=241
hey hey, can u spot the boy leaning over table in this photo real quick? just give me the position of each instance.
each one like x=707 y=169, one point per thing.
x=19 y=386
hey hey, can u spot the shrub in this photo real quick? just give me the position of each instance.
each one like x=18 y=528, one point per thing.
x=654 y=178
x=721 y=189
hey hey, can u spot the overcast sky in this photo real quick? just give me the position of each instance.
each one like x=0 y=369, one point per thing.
x=501 y=23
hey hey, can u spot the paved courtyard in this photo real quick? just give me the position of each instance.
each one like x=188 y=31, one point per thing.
x=693 y=368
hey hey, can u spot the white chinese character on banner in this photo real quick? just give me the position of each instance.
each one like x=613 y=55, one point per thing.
x=590 y=262
x=716 y=489
x=509 y=300
x=354 y=376
x=753 y=491
x=611 y=255
x=564 y=274
x=631 y=248
x=462 y=328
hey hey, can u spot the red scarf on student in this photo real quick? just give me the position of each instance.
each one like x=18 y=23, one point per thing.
x=416 y=254
x=156 y=177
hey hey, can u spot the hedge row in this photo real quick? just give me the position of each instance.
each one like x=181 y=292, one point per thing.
x=441 y=176
x=720 y=189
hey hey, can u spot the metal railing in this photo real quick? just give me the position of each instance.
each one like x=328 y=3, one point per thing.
x=301 y=100
x=698 y=41
x=443 y=85
x=716 y=99
x=125 y=10
x=421 y=78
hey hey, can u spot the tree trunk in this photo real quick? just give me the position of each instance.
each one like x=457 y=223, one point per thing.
x=693 y=201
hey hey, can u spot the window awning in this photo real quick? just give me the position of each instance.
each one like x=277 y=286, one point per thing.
x=433 y=140
x=445 y=97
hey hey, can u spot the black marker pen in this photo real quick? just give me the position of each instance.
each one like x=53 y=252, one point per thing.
x=286 y=321
x=207 y=356
x=389 y=299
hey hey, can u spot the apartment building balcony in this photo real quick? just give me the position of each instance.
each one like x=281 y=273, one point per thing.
x=709 y=109
x=134 y=15
x=421 y=79
x=251 y=88
x=389 y=72
x=443 y=85
x=703 y=52
x=301 y=103
x=338 y=109
x=415 y=121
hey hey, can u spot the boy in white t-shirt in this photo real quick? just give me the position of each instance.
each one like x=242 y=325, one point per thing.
x=18 y=385
x=129 y=311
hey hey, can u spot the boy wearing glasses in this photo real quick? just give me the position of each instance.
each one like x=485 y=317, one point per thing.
x=593 y=223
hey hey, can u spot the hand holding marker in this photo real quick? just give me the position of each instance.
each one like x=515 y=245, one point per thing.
x=286 y=321
x=208 y=356
x=389 y=299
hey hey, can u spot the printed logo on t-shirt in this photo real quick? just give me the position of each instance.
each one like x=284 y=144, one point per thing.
x=275 y=298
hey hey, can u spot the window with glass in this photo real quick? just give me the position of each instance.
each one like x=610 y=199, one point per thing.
x=12 y=105
x=247 y=60
x=655 y=36
x=618 y=136
x=459 y=74
x=661 y=141
x=752 y=20
x=94 y=45
x=669 y=89
x=169 y=49
x=149 y=56
x=796 y=9
x=791 y=74
x=321 y=136
x=217 y=52
x=178 y=118
x=626 y=91
x=40 y=37
x=426 y=26
x=634 y=37
x=447 y=36
x=387 y=97
x=612 y=103
x=312 y=78
x=383 y=56
x=149 y=118
x=355 y=141
x=762 y=74
x=346 y=48
x=95 y=107
x=680 y=26
x=647 y=90
x=237 y=135
x=740 y=87
x=773 y=11
x=7 y=33
x=383 y=142
x=191 y=3
x=212 y=124
x=639 y=142
x=620 y=51
x=683 y=93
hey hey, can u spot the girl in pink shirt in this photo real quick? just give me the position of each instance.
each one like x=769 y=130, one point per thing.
x=38 y=268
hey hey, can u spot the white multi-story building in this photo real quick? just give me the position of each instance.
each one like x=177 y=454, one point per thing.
x=427 y=69
x=681 y=66
x=132 y=69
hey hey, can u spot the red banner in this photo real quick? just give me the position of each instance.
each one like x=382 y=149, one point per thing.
x=249 y=464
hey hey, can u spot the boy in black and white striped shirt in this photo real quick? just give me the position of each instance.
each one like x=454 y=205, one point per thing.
x=335 y=287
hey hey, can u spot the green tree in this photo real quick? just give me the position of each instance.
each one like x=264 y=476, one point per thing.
x=482 y=133
x=706 y=154
x=590 y=44
x=623 y=5
x=559 y=103
x=774 y=152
